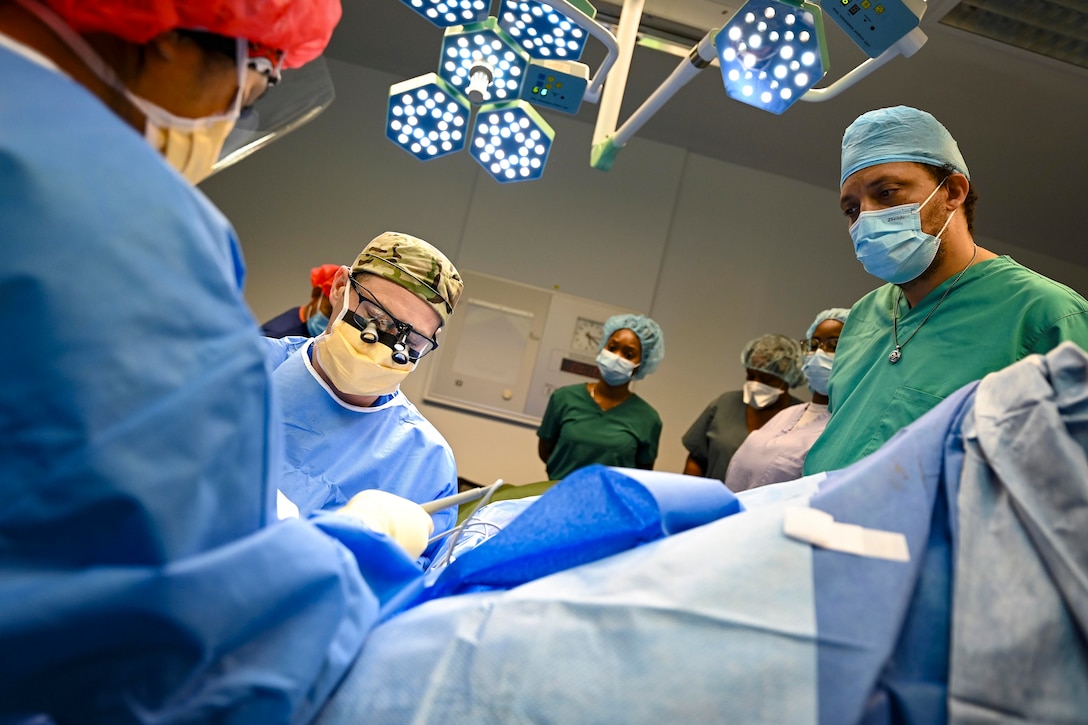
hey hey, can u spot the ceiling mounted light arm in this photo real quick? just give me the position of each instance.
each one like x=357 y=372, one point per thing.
x=906 y=46
x=609 y=140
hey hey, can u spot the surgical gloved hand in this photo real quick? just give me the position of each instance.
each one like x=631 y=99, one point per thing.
x=402 y=520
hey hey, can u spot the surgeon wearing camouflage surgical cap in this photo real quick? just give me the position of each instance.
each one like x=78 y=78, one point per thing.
x=772 y=365
x=347 y=426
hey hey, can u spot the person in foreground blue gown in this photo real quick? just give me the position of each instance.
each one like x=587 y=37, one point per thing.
x=143 y=576
x=347 y=426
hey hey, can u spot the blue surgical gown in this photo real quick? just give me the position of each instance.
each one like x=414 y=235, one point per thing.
x=142 y=574
x=334 y=450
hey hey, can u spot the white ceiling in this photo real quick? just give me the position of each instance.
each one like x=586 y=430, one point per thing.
x=1021 y=119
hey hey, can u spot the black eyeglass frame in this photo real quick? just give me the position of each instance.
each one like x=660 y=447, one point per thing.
x=810 y=346
x=399 y=341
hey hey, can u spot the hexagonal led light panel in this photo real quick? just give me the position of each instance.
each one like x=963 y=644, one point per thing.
x=447 y=13
x=426 y=117
x=482 y=62
x=772 y=52
x=511 y=141
x=543 y=31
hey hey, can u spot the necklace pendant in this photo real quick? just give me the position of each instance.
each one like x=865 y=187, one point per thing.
x=894 y=357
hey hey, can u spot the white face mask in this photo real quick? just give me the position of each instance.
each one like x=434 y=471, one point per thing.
x=817 y=369
x=615 y=370
x=190 y=145
x=760 y=395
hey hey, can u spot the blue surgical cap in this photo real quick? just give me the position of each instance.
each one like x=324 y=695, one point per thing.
x=777 y=355
x=649 y=334
x=900 y=133
x=835 y=313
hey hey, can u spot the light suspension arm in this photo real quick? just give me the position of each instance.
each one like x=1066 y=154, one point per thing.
x=906 y=46
x=608 y=140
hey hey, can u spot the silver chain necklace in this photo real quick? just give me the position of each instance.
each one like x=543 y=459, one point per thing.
x=897 y=352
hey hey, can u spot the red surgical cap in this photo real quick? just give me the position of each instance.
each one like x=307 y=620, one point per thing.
x=299 y=28
x=322 y=277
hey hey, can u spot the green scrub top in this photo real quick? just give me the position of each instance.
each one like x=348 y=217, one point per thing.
x=999 y=313
x=626 y=435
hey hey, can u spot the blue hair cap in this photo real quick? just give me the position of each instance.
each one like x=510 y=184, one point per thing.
x=834 y=313
x=777 y=355
x=649 y=334
x=899 y=133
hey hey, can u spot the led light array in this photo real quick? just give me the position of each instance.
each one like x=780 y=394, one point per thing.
x=511 y=141
x=447 y=13
x=426 y=118
x=543 y=31
x=772 y=52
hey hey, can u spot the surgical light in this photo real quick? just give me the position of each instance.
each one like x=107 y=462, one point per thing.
x=511 y=141
x=772 y=52
x=543 y=31
x=426 y=117
x=447 y=13
x=481 y=61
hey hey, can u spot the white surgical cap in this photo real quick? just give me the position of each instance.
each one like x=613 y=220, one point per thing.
x=899 y=133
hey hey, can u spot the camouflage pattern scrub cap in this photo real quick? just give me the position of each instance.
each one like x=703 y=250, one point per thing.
x=415 y=265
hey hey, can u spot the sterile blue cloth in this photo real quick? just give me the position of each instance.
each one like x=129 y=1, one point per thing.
x=736 y=621
x=593 y=513
x=480 y=526
x=1020 y=615
x=143 y=577
x=334 y=450
x=731 y=621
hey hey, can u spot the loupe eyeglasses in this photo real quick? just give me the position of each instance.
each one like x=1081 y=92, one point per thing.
x=375 y=324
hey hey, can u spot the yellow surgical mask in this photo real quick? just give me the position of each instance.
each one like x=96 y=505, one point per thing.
x=190 y=145
x=356 y=367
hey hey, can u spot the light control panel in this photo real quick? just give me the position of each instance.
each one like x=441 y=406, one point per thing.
x=875 y=25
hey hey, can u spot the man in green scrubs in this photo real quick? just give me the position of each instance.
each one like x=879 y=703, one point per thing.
x=951 y=311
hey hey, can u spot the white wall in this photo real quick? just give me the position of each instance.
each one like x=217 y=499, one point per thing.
x=716 y=253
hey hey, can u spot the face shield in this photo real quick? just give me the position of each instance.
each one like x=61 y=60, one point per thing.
x=297 y=98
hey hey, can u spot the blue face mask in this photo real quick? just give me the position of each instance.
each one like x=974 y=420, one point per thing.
x=817 y=369
x=316 y=323
x=614 y=369
x=890 y=243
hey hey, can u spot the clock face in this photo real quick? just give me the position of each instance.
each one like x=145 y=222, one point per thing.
x=587 y=336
